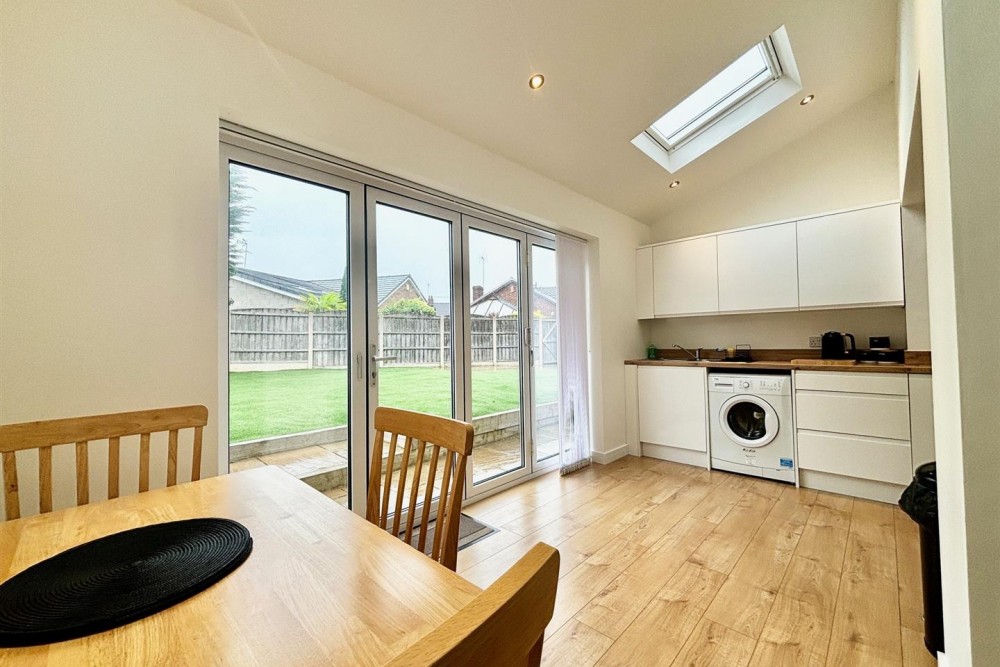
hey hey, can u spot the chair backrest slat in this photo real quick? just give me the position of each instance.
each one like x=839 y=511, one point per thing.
x=82 y=473
x=504 y=625
x=441 y=524
x=172 y=457
x=11 y=499
x=144 y=462
x=401 y=485
x=390 y=461
x=81 y=432
x=428 y=496
x=114 y=466
x=431 y=437
x=196 y=454
x=411 y=510
x=45 y=479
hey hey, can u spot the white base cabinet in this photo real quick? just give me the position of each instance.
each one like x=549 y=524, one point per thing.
x=853 y=433
x=673 y=412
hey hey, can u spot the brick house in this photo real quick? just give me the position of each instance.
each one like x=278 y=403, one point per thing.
x=250 y=289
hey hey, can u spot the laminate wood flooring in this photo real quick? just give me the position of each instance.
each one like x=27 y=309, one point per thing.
x=666 y=564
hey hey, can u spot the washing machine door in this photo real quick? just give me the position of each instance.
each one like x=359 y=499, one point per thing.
x=749 y=421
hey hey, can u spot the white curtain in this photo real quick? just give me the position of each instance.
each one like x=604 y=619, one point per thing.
x=574 y=380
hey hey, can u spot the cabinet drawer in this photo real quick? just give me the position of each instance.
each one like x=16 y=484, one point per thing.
x=855 y=456
x=858 y=383
x=858 y=414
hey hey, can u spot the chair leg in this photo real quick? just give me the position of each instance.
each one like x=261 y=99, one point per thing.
x=535 y=654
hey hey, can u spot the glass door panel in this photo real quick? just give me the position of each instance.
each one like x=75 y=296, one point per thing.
x=545 y=352
x=496 y=321
x=411 y=294
x=289 y=385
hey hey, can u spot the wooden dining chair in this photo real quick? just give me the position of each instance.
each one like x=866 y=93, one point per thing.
x=44 y=435
x=503 y=626
x=429 y=437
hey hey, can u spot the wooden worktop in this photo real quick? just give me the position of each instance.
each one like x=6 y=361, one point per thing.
x=792 y=360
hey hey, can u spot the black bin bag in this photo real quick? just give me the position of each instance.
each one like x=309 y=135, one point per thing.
x=920 y=502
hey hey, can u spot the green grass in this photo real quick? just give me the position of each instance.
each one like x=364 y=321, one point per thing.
x=264 y=404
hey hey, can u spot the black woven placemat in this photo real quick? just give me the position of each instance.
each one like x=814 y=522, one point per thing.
x=118 y=579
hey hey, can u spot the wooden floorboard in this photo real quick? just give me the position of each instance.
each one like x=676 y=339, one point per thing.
x=666 y=564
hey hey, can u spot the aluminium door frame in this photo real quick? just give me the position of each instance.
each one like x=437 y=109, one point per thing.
x=552 y=462
x=469 y=222
x=373 y=197
x=276 y=163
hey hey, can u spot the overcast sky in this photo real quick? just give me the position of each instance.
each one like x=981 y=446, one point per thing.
x=299 y=230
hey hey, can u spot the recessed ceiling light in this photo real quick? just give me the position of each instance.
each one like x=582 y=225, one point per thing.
x=675 y=184
x=807 y=99
x=536 y=81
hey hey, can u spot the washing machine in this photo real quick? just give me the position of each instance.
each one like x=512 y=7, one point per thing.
x=750 y=425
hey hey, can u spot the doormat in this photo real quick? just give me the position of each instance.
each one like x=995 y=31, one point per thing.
x=470 y=531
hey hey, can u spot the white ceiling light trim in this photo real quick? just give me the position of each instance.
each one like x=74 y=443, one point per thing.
x=754 y=84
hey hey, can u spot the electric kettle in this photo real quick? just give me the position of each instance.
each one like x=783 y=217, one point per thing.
x=835 y=345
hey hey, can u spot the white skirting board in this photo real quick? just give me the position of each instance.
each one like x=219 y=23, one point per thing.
x=851 y=486
x=689 y=457
x=608 y=457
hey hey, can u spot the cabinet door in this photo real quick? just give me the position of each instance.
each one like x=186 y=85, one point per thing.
x=644 y=283
x=686 y=277
x=673 y=407
x=851 y=259
x=758 y=269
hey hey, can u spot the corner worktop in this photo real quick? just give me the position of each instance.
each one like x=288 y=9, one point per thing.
x=917 y=366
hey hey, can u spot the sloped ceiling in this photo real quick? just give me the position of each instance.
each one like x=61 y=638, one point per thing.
x=611 y=68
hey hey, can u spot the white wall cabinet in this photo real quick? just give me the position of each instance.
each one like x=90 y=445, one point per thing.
x=686 y=277
x=851 y=259
x=644 y=283
x=758 y=270
x=841 y=260
x=673 y=404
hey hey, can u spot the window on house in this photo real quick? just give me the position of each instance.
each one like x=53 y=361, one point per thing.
x=749 y=87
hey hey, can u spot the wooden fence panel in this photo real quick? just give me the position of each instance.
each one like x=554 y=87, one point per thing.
x=275 y=338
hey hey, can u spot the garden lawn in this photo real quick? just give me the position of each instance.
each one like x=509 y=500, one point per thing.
x=270 y=403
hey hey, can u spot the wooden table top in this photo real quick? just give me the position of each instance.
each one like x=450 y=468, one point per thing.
x=322 y=586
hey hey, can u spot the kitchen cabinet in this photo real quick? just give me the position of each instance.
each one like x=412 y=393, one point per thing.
x=758 y=269
x=673 y=408
x=842 y=260
x=644 y=283
x=851 y=259
x=686 y=277
x=853 y=433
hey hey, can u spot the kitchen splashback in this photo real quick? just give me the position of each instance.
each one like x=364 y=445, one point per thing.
x=778 y=330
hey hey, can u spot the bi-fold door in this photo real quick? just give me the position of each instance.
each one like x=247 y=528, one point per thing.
x=343 y=296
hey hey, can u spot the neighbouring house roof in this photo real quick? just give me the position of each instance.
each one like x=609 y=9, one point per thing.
x=496 y=302
x=300 y=288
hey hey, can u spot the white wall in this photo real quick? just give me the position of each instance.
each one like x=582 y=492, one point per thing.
x=847 y=162
x=952 y=50
x=110 y=244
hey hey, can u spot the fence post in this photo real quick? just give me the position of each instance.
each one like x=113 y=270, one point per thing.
x=441 y=340
x=494 y=318
x=309 y=342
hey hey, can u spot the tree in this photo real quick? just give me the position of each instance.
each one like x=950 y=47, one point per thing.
x=240 y=193
x=325 y=303
x=409 y=307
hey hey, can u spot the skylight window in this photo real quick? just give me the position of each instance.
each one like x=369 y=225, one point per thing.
x=756 y=82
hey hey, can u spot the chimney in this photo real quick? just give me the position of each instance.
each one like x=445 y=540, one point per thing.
x=477 y=293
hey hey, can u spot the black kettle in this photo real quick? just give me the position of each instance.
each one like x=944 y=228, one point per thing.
x=835 y=345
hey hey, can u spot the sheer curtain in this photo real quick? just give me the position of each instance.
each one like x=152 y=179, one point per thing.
x=574 y=381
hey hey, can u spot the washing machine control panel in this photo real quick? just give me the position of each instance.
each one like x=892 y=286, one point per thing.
x=749 y=384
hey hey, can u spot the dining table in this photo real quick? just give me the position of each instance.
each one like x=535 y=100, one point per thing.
x=322 y=586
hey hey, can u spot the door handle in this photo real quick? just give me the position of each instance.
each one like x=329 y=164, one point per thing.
x=384 y=358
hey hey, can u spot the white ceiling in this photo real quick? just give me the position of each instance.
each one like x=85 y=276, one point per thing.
x=611 y=68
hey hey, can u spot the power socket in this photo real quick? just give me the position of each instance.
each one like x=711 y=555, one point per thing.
x=815 y=341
